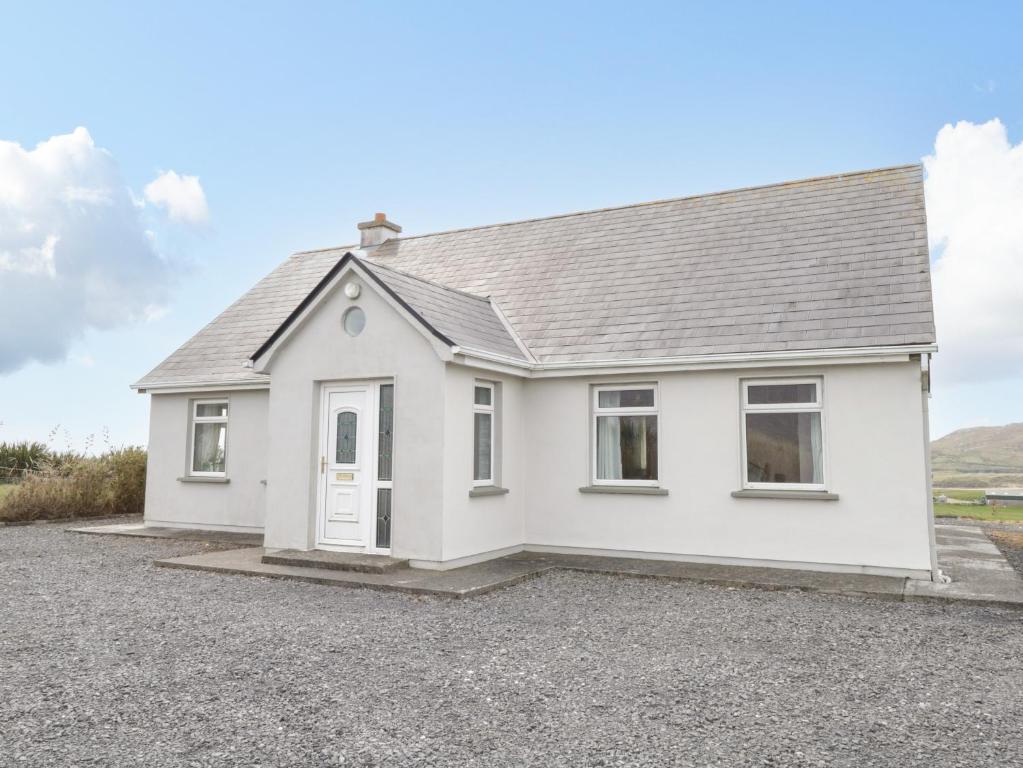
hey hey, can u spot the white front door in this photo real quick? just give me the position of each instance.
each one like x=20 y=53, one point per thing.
x=346 y=464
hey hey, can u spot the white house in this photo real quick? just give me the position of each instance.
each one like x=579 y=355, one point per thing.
x=738 y=377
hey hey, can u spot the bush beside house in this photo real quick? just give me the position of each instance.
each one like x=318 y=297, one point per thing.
x=53 y=486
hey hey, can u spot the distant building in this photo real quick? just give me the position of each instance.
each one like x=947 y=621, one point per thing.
x=1009 y=497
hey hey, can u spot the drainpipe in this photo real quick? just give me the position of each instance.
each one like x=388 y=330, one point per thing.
x=925 y=396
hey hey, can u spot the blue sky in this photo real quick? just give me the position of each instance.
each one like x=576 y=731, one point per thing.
x=302 y=119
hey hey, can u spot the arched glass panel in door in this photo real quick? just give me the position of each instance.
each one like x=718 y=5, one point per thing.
x=347 y=437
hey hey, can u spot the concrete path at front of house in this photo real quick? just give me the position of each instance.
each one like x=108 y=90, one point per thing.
x=165 y=532
x=980 y=574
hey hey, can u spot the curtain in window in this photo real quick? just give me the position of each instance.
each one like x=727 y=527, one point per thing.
x=642 y=438
x=816 y=448
x=209 y=447
x=609 y=440
x=482 y=461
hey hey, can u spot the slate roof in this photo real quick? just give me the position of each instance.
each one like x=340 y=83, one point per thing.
x=469 y=321
x=825 y=263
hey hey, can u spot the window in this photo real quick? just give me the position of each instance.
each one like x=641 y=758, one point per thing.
x=625 y=435
x=354 y=320
x=347 y=448
x=209 y=438
x=782 y=435
x=483 y=412
x=385 y=461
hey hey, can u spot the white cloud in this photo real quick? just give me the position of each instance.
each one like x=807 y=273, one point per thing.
x=181 y=196
x=74 y=253
x=974 y=191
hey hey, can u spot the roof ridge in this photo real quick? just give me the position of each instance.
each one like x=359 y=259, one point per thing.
x=662 y=201
x=371 y=263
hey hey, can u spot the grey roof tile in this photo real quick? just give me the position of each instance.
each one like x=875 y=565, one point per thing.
x=824 y=263
x=469 y=321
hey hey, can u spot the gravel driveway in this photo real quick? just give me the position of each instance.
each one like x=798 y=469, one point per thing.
x=106 y=660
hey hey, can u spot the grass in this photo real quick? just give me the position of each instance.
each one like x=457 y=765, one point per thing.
x=6 y=488
x=113 y=483
x=960 y=494
x=978 y=512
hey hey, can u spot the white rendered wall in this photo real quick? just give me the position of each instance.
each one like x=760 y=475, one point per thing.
x=320 y=351
x=479 y=524
x=873 y=427
x=236 y=505
x=874 y=460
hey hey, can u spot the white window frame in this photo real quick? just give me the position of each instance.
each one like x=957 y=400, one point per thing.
x=596 y=410
x=196 y=419
x=817 y=406
x=492 y=410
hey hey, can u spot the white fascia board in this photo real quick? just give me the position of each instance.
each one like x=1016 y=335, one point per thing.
x=199 y=386
x=262 y=363
x=841 y=356
x=486 y=361
x=499 y=363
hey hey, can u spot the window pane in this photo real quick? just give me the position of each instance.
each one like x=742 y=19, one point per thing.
x=385 y=441
x=784 y=448
x=206 y=410
x=210 y=447
x=384 y=517
x=484 y=396
x=626 y=447
x=347 y=433
x=626 y=398
x=770 y=394
x=354 y=321
x=481 y=466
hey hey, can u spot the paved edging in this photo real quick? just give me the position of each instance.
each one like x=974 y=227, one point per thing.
x=735 y=583
x=420 y=582
x=980 y=574
x=327 y=581
x=65 y=520
x=140 y=531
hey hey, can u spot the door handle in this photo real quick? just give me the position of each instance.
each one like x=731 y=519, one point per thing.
x=323 y=464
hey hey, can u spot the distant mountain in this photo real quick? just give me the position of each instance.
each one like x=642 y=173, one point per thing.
x=980 y=449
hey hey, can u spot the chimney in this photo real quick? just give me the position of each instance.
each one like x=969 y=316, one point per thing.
x=372 y=233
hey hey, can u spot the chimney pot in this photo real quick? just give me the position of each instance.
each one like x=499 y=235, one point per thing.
x=373 y=233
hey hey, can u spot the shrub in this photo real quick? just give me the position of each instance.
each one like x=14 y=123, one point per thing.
x=17 y=458
x=80 y=486
x=127 y=468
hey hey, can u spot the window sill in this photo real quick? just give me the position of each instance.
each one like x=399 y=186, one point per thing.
x=487 y=490
x=214 y=480
x=637 y=490
x=751 y=493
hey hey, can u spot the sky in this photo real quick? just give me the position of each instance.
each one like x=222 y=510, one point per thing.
x=156 y=160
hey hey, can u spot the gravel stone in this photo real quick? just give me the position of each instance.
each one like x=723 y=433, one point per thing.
x=106 y=660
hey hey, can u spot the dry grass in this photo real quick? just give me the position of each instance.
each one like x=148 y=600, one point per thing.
x=91 y=486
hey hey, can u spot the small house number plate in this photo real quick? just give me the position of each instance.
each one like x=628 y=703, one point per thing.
x=349 y=476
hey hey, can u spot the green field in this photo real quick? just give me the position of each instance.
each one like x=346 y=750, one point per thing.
x=978 y=512
x=960 y=494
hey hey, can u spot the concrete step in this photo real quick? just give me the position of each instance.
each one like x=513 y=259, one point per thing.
x=335 y=561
